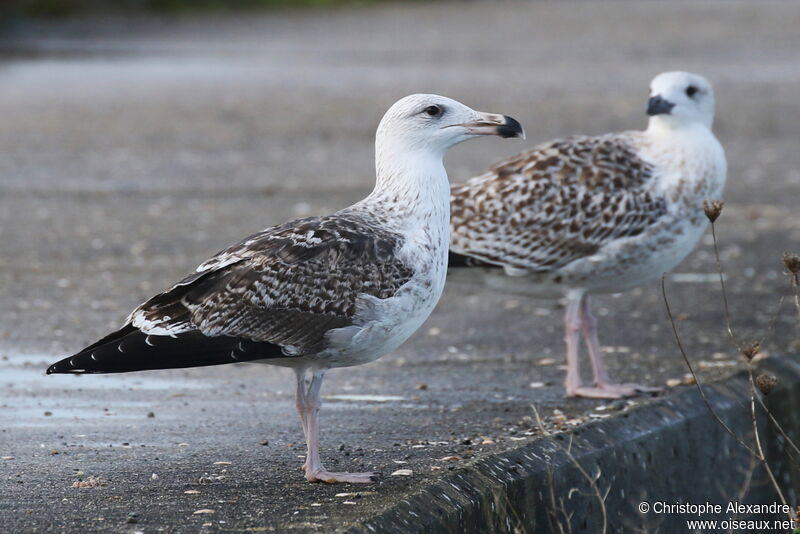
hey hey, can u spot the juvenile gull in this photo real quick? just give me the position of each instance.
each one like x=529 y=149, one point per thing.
x=320 y=292
x=603 y=214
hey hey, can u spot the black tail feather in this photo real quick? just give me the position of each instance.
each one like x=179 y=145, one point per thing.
x=129 y=349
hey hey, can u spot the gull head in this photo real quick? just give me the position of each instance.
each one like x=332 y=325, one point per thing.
x=435 y=123
x=680 y=99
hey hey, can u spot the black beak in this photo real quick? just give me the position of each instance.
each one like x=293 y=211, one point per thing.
x=511 y=128
x=659 y=106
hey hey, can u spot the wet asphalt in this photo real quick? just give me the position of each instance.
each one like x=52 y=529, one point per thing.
x=132 y=149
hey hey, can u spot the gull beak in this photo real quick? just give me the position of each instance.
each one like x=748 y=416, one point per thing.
x=493 y=124
x=659 y=106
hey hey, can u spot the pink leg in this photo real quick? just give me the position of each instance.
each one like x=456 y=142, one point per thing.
x=309 y=403
x=300 y=403
x=573 y=384
x=604 y=388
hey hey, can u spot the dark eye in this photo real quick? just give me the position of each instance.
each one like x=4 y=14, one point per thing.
x=691 y=91
x=433 y=111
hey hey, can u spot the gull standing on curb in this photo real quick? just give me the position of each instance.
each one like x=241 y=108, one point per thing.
x=603 y=214
x=320 y=292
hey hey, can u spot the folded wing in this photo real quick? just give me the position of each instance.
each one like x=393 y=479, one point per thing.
x=275 y=294
x=554 y=204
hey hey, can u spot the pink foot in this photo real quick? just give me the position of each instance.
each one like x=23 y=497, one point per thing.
x=322 y=475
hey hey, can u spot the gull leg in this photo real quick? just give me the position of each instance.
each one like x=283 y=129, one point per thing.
x=309 y=406
x=300 y=403
x=604 y=388
x=573 y=383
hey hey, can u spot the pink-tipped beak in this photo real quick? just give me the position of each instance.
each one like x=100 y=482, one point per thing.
x=493 y=124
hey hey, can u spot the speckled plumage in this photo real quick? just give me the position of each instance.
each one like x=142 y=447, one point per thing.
x=595 y=212
x=289 y=284
x=601 y=214
x=320 y=292
x=556 y=203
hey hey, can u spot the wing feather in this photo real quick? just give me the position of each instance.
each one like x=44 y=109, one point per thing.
x=287 y=285
x=275 y=294
x=556 y=203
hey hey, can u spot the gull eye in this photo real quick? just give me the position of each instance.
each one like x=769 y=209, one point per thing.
x=433 y=111
x=691 y=91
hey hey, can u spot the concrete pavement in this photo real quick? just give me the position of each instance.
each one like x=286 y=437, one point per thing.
x=132 y=149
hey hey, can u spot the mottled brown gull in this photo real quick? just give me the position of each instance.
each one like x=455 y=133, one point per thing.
x=603 y=214
x=320 y=292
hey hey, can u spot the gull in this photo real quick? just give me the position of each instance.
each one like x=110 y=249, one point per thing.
x=320 y=292
x=586 y=215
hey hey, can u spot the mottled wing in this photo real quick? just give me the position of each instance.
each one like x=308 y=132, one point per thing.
x=287 y=285
x=274 y=294
x=554 y=204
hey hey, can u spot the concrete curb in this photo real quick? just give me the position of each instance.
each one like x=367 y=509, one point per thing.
x=669 y=450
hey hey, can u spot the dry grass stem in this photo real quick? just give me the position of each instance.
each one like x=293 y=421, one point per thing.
x=761 y=456
x=765 y=383
x=745 y=487
x=697 y=383
x=592 y=480
x=722 y=284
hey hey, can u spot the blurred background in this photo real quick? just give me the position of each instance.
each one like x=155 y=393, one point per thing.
x=139 y=137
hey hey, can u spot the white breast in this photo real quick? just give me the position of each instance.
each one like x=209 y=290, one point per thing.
x=691 y=168
x=382 y=325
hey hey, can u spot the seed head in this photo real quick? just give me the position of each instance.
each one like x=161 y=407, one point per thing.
x=713 y=208
x=792 y=262
x=749 y=351
x=766 y=383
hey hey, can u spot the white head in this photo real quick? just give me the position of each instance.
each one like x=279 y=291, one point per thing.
x=433 y=124
x=680 y=99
